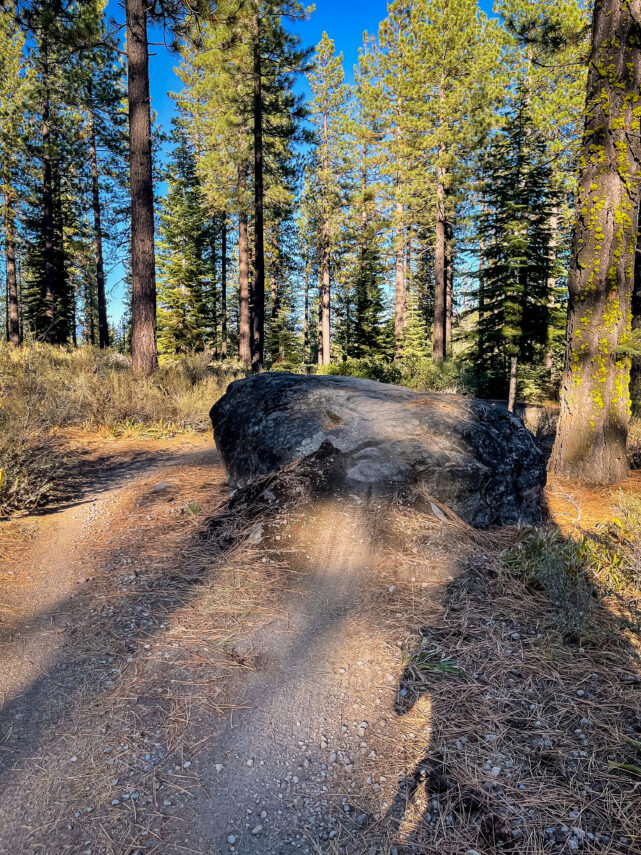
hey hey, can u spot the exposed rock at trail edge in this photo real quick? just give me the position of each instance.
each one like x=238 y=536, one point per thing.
x=473 y=457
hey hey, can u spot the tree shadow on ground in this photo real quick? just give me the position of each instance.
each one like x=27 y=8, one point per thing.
x=529 y=715
x=85 y=473
x=110 y=626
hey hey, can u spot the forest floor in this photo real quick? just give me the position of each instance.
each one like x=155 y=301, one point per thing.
x=182 y=671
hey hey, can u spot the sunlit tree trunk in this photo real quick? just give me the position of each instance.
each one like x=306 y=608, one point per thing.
x=400 y=308
x=223 y=288
x=49 y=284
x=13 y=310
x=595 y=402
x=258 y=287
x=103 y=324
x=449 y=285
x=306 y=317
x=244 y=321
x=440 y=274
x=144 y=351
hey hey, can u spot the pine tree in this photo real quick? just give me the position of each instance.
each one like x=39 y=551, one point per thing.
x=366 y=224
x=400 y=103
x=183 y=250
x=414 y=345
x=518 y=307
x=238 y=92
x=329 y=95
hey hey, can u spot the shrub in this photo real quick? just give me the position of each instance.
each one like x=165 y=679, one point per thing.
x=415 y=372
x=366 y=368
x=424 y=375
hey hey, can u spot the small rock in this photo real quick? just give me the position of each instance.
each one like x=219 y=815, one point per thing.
x=257 y=829
x=231 y=839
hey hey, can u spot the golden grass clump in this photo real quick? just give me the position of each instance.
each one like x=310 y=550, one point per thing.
x=45 y=389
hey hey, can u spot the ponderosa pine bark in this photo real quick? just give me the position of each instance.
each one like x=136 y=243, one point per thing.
x=13 y=309
x=326 y=300
x=551 y=283
x=324 y=353
x=320 y=321
x=306 y=316
x=223 y=286
x=49 y=284
x=144 y=351
x=103 y=324
x=595 y=401
x=635 y=371
x=449 y=286
x=258 y=286
x=244 y=320
x=440 y=273
x=400 y=308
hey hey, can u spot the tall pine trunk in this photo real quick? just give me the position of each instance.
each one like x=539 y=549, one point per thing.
x=213 y=295
x=595 y=403
x=449 y=285
x=320 y=321
x=408 y=271
x=400 y=309
x=49 y=283
x=244 y=321
x=258 y=287
x=144 y=350
x=551 y=281
x=306 y=317
x=635 y=372
x=13 y=311
x=440 y=273
x=326 y=299
x=481 y=291
x=65 y=297
x=514 y=376
x=324 y=353
x=103 y=324
x=223 y=287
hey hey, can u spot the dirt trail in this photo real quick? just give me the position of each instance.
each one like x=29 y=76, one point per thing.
x=281 y=753
x=179 y=674
x=46 y=577
x=90 y=761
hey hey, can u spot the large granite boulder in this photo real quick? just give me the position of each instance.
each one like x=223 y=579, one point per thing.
x=472 y=456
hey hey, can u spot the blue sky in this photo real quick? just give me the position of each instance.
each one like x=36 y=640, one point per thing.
x=345 y=21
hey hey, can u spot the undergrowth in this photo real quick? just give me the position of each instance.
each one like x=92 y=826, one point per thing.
x=44 y=389
x=418 y=373
x=575 y=572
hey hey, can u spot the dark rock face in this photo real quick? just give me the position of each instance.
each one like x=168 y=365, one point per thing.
x=477 y=459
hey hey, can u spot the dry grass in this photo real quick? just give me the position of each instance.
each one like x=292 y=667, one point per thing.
x=45 y=390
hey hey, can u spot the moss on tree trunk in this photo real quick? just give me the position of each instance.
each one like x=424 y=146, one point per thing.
x=595 y=400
